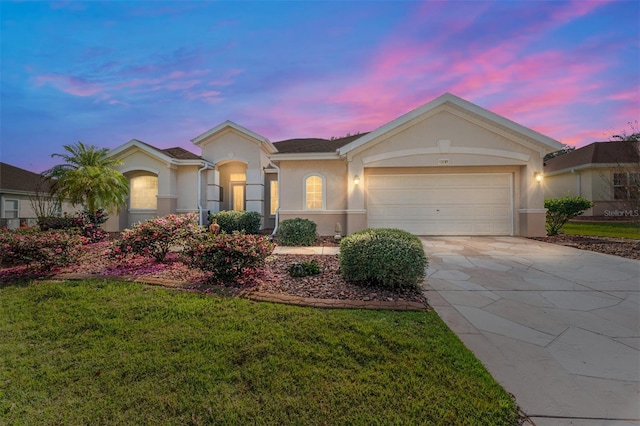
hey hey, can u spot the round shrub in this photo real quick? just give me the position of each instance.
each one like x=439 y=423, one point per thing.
x=229 y=256
x=297 y=232
x=241 y=221
x=390 y=258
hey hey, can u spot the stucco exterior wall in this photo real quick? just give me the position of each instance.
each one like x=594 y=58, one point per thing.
x=292 y=192
x=453 y=142
x=187 y=189
x=26 y=211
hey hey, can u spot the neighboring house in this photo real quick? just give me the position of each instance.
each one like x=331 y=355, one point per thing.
x=17 y=188
x=606 y=173
x=447 y=168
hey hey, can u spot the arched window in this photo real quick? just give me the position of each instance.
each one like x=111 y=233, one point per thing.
x=143 y=192
x=314 y=192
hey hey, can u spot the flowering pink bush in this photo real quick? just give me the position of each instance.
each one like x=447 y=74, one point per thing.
x=40 y=249
x=154 y=237
x=228 y=256
x=88 y=223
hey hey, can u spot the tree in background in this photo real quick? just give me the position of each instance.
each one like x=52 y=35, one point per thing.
x=565 y=149
x=88 y=177
x=625 y=175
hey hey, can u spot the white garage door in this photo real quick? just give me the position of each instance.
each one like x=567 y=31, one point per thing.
x=441 y=204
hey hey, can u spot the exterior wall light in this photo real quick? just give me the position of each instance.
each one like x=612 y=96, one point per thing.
x=538 y=176
x=356 y=179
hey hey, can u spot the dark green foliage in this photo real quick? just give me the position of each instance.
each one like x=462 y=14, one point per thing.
x=561 y=210
x=304 y=269
x=388 y=257
x=88 y=223
x=230 y=221
x=229 y=256
x=297 y=232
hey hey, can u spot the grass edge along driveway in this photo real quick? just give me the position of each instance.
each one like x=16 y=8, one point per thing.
x=104 y=352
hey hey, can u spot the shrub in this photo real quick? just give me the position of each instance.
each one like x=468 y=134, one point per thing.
x=154 y=237
x=231 y=221
x=303 y=269
x=561 y=210
x=86 y=222
x=387 y=257
x=297 y=232
x=41 y=249
x=228 y=256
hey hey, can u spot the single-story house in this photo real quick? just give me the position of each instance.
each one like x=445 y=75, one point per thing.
x=448 y=167
x=19 y=190
x=606 y=173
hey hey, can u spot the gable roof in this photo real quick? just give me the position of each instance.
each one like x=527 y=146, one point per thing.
x=14 y=178
x=308 y=145
x=616 y=152
x=264 y=142
x=175 y=155
x=448 y=98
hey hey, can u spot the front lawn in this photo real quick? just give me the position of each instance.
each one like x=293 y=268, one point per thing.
x=603 y=229
x=104 y=352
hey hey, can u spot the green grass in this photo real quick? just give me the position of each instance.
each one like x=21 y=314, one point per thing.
x=604 y=229
x=103 y=352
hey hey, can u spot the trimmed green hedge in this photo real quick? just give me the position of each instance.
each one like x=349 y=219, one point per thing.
x=387 y=257
x=231 y=221
x=297 y=232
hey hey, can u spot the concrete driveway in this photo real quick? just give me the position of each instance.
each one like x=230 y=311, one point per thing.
x=558 y=327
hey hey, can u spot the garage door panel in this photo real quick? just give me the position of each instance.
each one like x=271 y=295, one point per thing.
x=457 y=204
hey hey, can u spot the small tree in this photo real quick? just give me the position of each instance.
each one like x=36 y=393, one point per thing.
x=88 y=177
x=561 y=210
x=43 y=203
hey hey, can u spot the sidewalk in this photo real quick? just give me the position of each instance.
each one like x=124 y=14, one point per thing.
x=307 y=250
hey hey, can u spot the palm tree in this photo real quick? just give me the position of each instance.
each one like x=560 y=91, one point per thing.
x=89 y=178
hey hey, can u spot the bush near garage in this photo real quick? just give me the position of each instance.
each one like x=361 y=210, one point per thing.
x=297 y=232
x=387 y=257
x=228 y=256
x=39 y=249
x=561 y=210
x=240 y=221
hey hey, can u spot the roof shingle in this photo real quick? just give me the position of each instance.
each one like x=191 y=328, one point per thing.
x=17 y=179
x=310 y=145
x=595 y=153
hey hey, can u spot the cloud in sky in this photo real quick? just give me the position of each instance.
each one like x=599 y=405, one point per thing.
x=105 y=72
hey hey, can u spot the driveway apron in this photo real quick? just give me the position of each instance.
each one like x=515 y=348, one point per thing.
x=558 y=327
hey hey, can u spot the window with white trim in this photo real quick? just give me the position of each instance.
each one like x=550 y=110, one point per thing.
x=144 y=192
x=314 y=192
x=11 y=209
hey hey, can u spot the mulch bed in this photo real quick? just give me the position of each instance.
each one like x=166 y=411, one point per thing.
x=622 y=247
x=274 y=279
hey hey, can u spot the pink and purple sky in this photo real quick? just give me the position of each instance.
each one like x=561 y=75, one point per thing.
x=104 y=72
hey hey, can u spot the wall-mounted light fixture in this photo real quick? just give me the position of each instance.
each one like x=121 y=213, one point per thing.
x=356 y=179
x=537 y=176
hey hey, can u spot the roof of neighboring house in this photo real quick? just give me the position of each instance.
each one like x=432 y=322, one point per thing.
x=17 y=179
x=295 y=146
x=595 y=153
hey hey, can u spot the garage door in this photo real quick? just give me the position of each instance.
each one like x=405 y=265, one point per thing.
x=441 y=204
